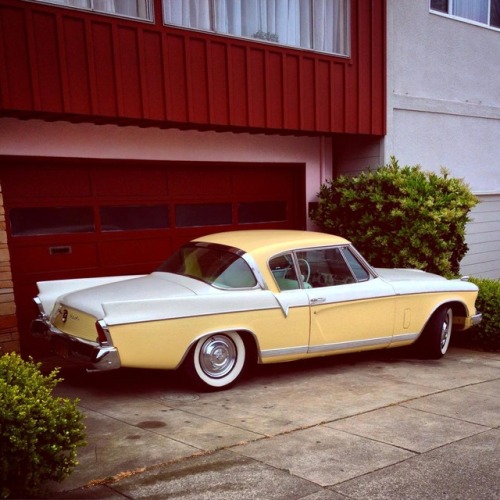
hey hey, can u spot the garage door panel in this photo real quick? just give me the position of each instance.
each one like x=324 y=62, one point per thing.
x=54 y=257
x=136 y=183
x=23 y=182
x=199 y=183
x=264 y=182
x=137 y=252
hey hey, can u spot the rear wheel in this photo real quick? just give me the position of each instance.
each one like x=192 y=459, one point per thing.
x=216 y=361
x=435 y=339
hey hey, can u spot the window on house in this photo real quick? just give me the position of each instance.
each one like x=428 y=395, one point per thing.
x=320 y=25
x=480 y=11
x=138 y=9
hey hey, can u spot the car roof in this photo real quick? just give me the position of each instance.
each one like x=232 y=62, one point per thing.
x=272 y=241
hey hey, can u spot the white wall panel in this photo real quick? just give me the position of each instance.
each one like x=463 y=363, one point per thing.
x=483 y=238
x=444 y=110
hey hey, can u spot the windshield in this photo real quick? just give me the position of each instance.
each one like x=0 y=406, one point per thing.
x=212 y=265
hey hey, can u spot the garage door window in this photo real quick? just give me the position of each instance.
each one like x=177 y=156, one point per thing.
x=126 y=218
x=51 y=220
x=261 y=211
x=204 y=214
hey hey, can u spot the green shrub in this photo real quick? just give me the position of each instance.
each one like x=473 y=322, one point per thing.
x=487 y=333
x=39 y=433
x=399 y=216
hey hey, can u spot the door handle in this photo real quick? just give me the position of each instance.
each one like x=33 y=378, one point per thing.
x=318 y=300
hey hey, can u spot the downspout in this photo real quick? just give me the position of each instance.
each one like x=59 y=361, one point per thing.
x=322 y=159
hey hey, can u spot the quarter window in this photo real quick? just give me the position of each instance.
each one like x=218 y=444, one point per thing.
x=284 y=272
x=319 y=25
x=480 y=11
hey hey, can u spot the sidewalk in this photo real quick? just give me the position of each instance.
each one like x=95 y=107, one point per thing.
x=372 y=426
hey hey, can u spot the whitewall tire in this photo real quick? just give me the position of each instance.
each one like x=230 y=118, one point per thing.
x=216 y=361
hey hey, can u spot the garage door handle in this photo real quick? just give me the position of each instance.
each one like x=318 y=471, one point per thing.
x=318 y=300
x=59 y=250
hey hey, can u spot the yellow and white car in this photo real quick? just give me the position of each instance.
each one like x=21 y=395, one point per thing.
x=233 y=298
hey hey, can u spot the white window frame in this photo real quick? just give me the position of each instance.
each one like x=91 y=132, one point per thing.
x=450 y=15
x=93 y=6
x=211 y=24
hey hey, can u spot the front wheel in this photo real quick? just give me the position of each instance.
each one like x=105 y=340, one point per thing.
x=216 y=361
x=435 y=338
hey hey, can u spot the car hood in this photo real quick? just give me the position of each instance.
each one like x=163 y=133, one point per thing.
x=408 y=281
x=406 y=274
x=151 y=287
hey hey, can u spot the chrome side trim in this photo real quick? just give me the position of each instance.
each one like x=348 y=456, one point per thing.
x=404 y=337
x=342 y=346
x=288 y=351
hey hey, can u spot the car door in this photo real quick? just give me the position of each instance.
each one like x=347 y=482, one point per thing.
x=289 y=336
x=350 y=308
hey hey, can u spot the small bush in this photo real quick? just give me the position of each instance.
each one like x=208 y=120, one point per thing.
x=487 y=333
x=399 y=216
x=39 y=433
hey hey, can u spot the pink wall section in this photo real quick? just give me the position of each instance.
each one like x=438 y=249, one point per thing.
x=62 y=139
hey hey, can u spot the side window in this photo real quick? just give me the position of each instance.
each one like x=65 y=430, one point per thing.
x=284 y=272
x=359 y=271
x=327 y=267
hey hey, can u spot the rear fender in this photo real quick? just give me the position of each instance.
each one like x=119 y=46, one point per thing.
x=50 y=291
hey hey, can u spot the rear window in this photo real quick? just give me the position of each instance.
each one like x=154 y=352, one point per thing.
x=221 y=268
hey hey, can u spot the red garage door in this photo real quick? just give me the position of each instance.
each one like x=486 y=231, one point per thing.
x=76 y=218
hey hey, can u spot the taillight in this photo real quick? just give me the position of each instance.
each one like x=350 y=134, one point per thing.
x=102 y=332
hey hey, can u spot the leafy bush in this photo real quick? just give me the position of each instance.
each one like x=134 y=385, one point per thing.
x=399 y=216
x=39 y=433
x=487 y=333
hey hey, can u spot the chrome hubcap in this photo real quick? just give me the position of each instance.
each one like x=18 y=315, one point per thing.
x=445 y=332
x=218 y=356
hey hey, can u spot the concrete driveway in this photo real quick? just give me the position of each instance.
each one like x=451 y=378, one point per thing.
x=373 y=425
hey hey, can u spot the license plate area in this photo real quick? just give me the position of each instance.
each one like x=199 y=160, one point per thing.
x=60 y=348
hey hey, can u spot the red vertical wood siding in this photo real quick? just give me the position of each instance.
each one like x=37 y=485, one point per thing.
x=60 y=62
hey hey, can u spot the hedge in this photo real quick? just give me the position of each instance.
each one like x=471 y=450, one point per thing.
x=39 y=433
x=399 y=216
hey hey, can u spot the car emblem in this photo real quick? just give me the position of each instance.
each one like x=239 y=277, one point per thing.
x=64 y=315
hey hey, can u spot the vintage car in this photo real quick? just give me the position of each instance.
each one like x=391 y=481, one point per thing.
x=264 y=296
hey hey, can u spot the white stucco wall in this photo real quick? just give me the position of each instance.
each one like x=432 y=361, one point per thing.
x=443 y=94
x=83 y=140
x=444 y=110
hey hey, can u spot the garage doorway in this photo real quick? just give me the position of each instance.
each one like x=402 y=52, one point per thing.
x=72 y=218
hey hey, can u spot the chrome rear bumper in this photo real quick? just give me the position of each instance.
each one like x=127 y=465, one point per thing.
x=92 y=355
